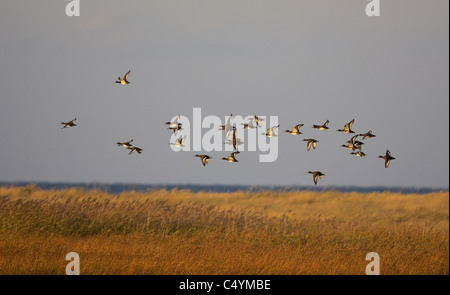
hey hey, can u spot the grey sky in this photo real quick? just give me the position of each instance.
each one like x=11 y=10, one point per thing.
x=304 y=61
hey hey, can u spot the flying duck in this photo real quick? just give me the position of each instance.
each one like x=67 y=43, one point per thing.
x=248 y=125
x=256 y=120
x=232 y=157
x=134 y=149
x=316 y=174
x=311 y=142
x=238 y=141
x=69 y=124
x=179 y=141
x=322 y=127
x=204 y=158
x=176 y=129
x=347 y=127
x=228 y=127
x=358 y=154
x=367 y=135
x=353 y=144
x=123 y=81
x=387 y=158
x=271 y=131
x=125 y=144
x=235 y=145
x=295 y=130
x=174 y=124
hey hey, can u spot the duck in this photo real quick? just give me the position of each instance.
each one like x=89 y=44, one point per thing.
x=178 y=142
x=69 y=124
x=174 y=123
x=311 y=142
x=322 y=127
x=256 y=120
x=316 y=174
x=204 y=158
x=367 y=135
x=358 y=144
x=125 y=144
x=349 y=145
x=232 y=157
x=235 y=145
x=238 y=141
x=353 y=144
x=271 y=131
x=177 y=128
x=295 y=130
x=124 y=80
x=134 y=149
x=248 y=125
x=228 y=127
x=347 y=127
x=387 y=158
x=358 y=154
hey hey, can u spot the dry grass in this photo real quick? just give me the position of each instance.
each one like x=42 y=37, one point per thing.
x=260 y=232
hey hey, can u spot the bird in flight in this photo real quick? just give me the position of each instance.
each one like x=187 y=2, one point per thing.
x=235 y=144
x=238 y=141
x=271 y=131
x=358 y=154
x=125 y=144
x=134 y=149
x=204 y=158
x=295 y=130
x=174 y=123
x=256 y=120
x=322 y=127
x=248 y=125
x=124 y=80
x=347 y=127
x=176 y=128
x=69 y=124
x=179 y=141
x=387 y=158
x=228 y=127
x=316 y=174
x=311 y=142
x=353 y=144
x=367 y=135
x=232 y=157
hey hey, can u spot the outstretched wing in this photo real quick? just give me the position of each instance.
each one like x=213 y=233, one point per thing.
x=351 y=123
x=126 y=75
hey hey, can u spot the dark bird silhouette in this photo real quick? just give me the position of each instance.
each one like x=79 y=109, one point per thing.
x=204 y=158
x=387 y=158
x=69 y=124
x=322 y=127
x=316 y=174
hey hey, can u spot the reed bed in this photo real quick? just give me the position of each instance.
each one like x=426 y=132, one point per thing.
x=248 y=232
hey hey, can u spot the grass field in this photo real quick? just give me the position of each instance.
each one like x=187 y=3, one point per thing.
x=254 y=232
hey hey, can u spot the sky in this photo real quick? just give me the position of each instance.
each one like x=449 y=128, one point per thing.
x=301 y=61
